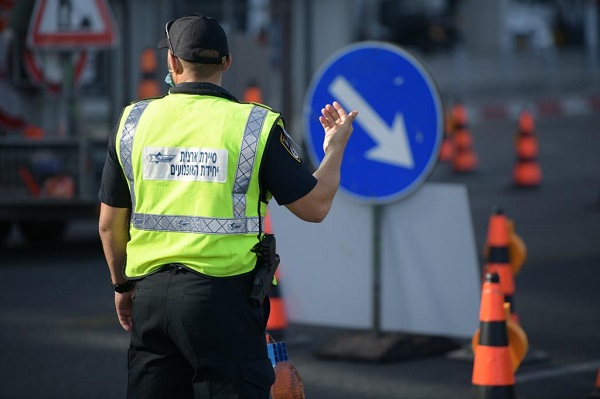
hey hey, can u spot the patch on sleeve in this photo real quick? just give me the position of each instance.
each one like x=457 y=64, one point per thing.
x=289 y=145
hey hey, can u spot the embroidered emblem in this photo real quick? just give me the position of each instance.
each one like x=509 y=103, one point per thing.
x=289 y=145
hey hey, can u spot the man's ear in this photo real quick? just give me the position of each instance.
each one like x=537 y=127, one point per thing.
x=172 y=63
x=227 y=63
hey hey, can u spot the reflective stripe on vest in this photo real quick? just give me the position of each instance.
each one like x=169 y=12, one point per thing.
x=196 y=224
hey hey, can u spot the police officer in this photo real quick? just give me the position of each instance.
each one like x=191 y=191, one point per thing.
x=183 y=195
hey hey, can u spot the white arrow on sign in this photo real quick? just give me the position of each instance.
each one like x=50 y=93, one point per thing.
x=392 y=143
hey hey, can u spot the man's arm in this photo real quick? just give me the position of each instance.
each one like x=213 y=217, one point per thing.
x=113 y=227
x=337 y=124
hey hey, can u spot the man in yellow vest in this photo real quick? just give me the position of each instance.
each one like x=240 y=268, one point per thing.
x=183 y=195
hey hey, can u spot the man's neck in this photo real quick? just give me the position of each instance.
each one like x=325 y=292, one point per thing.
x=216 y=80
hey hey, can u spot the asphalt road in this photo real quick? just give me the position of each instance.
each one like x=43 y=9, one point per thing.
x=59 y=337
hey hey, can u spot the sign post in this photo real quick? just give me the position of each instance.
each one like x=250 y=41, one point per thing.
x=62 y=28
x=393 y=148
x=71 y=25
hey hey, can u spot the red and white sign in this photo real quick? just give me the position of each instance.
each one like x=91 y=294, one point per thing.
x=72 y=24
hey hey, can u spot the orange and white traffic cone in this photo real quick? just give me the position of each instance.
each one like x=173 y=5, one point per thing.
x=498 y=258
x=277 y=323
x=493 y=375
x=527 y=171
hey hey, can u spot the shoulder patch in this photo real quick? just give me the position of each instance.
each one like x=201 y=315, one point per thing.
x=289 y=145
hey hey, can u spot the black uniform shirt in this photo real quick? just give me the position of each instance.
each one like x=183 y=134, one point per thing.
x=282 y=171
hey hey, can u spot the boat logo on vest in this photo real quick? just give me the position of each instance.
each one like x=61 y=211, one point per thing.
x=158 y=157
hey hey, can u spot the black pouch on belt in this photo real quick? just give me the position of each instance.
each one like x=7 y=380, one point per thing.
x=266 y=265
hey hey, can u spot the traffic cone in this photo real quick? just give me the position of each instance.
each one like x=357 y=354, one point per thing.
x=526 y=122
x=447 y=148
x=527 y=171
x=517 y=250
x=465 y=159
x=596 y=392
x=493 y=376
x=498 y=258
x=518 y=342
x=148 y=86
x=277 y=322
x=253 y=94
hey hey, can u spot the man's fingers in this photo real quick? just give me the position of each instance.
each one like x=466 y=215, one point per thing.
x=339 y=109
x=333 y=114
x=352 y=115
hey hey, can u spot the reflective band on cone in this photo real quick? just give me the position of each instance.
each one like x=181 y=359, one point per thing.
x=498 y=257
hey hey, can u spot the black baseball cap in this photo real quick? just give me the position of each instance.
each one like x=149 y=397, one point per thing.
x=186 y=37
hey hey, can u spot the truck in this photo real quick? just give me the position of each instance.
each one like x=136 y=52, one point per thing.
x=54 y=70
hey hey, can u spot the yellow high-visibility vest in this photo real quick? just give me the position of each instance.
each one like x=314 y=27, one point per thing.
x=192 y=163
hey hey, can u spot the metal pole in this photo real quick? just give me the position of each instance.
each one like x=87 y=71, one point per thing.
x=377 y=270
x=591 y=36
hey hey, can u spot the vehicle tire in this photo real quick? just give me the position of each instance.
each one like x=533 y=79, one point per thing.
x=43 y=234
x=5 y=227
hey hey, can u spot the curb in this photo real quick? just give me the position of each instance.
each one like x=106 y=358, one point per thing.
x=567 y=106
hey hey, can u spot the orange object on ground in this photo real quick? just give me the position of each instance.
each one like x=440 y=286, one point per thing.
x=526 y=122
x=498 y=258
x=277 y=323
x=447 y=148
x=527 y=171
x=464 y=158
x=596 y=392
x=149 y=85
x=517 y=250
x=518 y=342
x=459 y=115
x=493 y=375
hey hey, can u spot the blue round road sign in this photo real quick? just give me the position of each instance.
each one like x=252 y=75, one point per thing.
x=399 y=128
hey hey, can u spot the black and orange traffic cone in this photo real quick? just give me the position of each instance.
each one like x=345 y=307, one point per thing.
x=527 y=171
x=465 y=159
x=518 y=343
x=277 y=323
x=447 y=148
x=493 y=376
x=596 y=392
x=517 y=250
x=498 y=258
x=148 y=86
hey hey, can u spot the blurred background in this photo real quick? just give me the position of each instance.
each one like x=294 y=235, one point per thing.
x=67 y=67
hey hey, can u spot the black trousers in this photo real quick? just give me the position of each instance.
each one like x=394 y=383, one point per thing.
x=197 y=337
